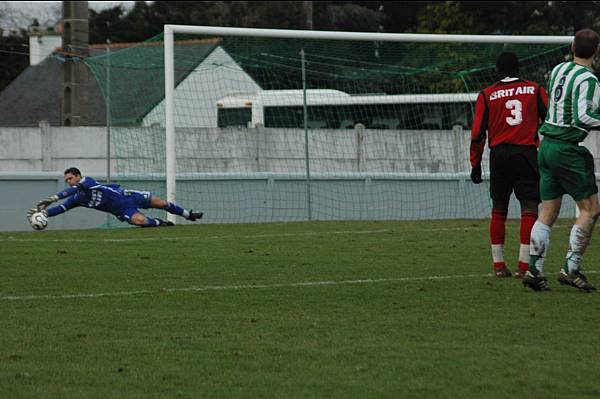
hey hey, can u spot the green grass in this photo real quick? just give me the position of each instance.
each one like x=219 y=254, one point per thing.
x=296 y=310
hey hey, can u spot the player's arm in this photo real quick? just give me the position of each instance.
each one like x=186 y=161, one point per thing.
x=585 y=104
x=46 y=202
x=478 y=137
x=70 y=203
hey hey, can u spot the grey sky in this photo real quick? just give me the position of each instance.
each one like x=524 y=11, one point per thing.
x=20 y=14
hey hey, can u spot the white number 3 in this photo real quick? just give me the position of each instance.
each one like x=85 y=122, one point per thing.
x=516 y=110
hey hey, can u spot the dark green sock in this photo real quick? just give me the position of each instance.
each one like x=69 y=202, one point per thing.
x=533 y=259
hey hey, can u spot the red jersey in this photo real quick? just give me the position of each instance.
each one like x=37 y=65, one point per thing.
x=509 y=112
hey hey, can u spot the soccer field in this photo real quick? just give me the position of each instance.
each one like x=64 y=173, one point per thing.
x=290 y=310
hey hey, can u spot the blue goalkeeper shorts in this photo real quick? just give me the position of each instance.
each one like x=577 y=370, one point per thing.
x=132 y=202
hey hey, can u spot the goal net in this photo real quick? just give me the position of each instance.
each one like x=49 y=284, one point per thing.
x=265 y=125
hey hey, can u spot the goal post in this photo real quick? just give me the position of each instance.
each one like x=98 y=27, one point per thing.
x=171 y=165
x=171 y=30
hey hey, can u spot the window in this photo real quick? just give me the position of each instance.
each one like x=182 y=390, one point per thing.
x=241 y=117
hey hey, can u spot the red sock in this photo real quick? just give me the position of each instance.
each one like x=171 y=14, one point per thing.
x=497 y=227
x=523 y=266
x=499 y=265
x=497 y=232
x=527 y=221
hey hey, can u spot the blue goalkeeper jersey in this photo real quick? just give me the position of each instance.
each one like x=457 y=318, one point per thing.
x=89 y=193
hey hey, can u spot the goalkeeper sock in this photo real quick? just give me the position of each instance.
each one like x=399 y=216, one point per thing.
x=151 y=222
x=177 y=210
x=527 y=221
x=578 y=242
x=497 y=233
x=538 y=246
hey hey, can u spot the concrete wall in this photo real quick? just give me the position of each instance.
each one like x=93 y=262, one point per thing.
x=52 y=149
x=237 y=150
x=234 y=150
x=230 y=198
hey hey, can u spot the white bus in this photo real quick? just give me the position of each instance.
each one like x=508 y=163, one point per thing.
x=334 y=109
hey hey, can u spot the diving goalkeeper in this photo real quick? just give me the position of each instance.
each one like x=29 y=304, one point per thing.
x=110 y=198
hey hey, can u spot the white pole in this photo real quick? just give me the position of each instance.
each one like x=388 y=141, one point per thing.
x=108 y=104
x=367 y=36
x=169 y=119
x=306 y=149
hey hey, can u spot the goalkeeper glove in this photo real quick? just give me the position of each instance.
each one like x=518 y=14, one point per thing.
x=45 y=203
x=476 y=174
x=31 y=211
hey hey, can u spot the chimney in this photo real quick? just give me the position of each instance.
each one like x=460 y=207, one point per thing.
x=42 y=44
x=75 y=28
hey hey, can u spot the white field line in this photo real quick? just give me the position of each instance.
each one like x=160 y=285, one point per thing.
x=195 y=237
x=201 y=237
x=243 y=287
x=252 y=286
x=482 y=227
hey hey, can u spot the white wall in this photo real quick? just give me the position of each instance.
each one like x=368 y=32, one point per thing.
x=51 y=149
x=241 y=150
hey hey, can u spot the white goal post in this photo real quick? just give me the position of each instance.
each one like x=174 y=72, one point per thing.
x=169 y=63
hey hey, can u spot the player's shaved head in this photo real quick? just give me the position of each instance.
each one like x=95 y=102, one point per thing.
x=586 y=43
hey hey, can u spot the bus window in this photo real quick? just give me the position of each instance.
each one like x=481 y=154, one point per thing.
x=323 y=117
x=240 y=117
x=384 y=116
x=283 y=117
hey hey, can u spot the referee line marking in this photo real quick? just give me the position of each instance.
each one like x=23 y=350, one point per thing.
x=209 y=288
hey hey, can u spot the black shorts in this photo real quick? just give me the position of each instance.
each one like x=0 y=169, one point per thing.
x=514 y=168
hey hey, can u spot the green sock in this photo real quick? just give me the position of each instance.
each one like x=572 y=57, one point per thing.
x=533 y=259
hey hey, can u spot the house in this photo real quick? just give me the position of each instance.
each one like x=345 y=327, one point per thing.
x=216 y=76
x=35 y=95
x=129 y=77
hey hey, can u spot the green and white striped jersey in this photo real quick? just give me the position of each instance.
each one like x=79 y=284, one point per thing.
x=574 y=97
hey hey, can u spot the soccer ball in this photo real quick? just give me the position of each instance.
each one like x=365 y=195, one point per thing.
x=38 y=221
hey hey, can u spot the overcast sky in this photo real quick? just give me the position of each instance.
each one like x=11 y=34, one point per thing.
x=19 y=14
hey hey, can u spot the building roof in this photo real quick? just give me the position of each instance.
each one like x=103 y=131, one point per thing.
x=36 y=94
x=137 y=75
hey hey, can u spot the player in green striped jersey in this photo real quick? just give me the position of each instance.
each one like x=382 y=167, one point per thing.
x=565 y=166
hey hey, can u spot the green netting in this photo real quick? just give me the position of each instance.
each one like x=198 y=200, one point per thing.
x=387 y=124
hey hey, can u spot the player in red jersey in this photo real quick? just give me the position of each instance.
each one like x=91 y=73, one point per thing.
x=509 y=113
